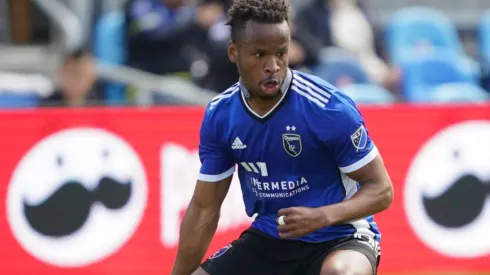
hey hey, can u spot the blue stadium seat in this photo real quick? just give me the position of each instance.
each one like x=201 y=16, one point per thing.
x=333 y=70
x=10 y=100
x=419 y=28
x=423 y=74
x=110 y=48
x=458 y=93
x=484 y=37
x=369 y=94
x=417 y=31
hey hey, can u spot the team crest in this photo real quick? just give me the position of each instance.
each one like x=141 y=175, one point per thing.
x=292 y=144
x=359 y=138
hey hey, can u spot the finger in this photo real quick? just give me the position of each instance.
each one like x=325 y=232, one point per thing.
x=287 y=228
x=290 y=219
x=290 y=234
x=285 y=211
x=299 y=231
x=281 y=220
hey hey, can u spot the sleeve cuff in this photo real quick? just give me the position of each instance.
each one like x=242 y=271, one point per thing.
x=215 y=178
x=360 y=163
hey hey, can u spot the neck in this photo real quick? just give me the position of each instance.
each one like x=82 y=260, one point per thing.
x=76 y=102
x=76 y=99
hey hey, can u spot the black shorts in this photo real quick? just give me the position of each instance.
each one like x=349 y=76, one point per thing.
x=255 y=253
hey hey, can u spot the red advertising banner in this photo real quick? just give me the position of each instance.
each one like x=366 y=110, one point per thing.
x=102 y=191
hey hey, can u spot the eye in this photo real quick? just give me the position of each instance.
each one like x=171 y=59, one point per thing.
x=59 y=161
x=258 y=55
x=281 y=54
x=456 y=154
x=105 y=153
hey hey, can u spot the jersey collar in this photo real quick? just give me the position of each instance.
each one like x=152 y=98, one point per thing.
x=244 y=94
x=284 y=87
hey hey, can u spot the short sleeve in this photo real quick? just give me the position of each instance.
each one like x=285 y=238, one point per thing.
x=350 y=142
x=216 y=162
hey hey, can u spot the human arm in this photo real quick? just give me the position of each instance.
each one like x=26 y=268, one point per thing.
x=201 y=218
x=199 y=224
x=374 y=196
x=357 y=158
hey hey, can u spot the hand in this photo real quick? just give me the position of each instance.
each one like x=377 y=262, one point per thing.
x=300 y=221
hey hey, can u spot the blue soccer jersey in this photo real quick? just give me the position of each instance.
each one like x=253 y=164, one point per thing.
x=295 y=155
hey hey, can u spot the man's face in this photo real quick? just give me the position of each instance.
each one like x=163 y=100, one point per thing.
x=77 y=78
x=261 y=55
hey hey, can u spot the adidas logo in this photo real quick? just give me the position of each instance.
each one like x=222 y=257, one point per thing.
x=238 y=144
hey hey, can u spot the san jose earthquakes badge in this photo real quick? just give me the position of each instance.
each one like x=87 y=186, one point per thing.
x=359 y=138
x=292 y=144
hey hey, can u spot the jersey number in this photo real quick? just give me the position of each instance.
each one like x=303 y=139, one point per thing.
x=258 y=167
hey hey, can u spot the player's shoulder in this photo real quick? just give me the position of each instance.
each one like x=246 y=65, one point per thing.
x=222 y=101
x=219 y=107
x=225 y=97
x=323 y=97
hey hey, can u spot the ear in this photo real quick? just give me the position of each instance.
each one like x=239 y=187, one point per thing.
x=232 y=52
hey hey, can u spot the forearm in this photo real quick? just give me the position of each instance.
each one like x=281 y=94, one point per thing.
x=196 y=232
x=372 y=198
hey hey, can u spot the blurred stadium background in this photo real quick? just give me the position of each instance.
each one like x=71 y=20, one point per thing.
x=143 y=69
x=401 y=51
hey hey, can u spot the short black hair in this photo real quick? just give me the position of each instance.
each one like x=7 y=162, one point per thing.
x=263 y=11
x=76 y=54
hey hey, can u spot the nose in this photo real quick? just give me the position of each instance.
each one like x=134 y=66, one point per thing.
x=272 y=66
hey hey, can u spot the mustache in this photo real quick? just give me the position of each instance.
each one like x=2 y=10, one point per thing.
x=67 y=209
x=460 y=204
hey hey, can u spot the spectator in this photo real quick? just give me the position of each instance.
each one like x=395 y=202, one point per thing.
x=347 y=18
x=77 y=81
x=161 y=35
x=212 y=18
x=170 y=37
x=303 y=50
x=344 y=24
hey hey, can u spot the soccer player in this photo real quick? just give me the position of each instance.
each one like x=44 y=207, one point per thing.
x=307 y=166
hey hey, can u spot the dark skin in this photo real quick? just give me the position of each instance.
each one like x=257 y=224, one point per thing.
x=374 y=196
x=199 y=226
x=260 y=55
